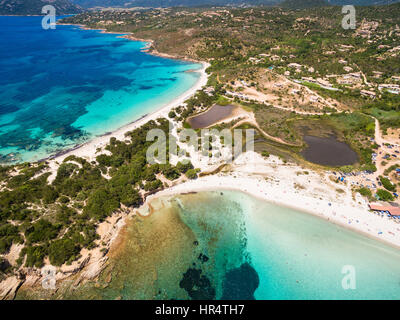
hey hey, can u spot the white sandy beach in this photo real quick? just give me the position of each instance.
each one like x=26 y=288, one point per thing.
x=268 y=179
x=88 y=150
x=287 y=185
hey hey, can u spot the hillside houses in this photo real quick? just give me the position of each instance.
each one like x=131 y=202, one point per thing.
x=392 y=88
x=368 y=93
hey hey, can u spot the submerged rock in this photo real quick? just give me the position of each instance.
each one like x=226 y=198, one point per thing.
x=240 y=283
x=197 y=286
x=203 y=258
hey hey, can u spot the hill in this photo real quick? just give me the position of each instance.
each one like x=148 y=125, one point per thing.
x=34 y=7
x=362 y=2
x=170 y=3
x=302 y=4
x=195 y=3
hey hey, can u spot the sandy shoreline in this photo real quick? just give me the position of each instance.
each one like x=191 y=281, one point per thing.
x=318 y=198
x=88 y=149
x=207 y=185
x=266 y=179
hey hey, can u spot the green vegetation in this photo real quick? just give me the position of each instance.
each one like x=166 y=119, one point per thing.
x=9 y=234
x=41 y=231
x=68 y=210
x=384 y=195
x=56 y=220
x=390 y=169
x=295 y=4
x=34 y=7
x=365 y=192
x=356 y=129
x=34 y=256
x=387 y=118
x=192 y=173
x=241 y=43
x=222 y=101
x=387 y=184
x=5 y=268
x=63 y=250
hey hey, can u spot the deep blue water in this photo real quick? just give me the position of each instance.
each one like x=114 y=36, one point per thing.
x=62 y=87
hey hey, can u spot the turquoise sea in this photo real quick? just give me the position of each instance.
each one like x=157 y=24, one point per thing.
x=267 y=251
x=62 y=87
x=229 y=245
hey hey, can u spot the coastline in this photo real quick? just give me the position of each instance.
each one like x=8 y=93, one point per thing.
x=93 y=261
x=206 y=185
x=267 y=180
x=148 y=47
x=343 y=211
x=347 y=213
x=88 y=149
x=310 y=204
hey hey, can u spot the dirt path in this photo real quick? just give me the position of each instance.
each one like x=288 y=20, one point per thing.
x=378 y=134
x=317 y=95
x=363 y=75
x=252 y=121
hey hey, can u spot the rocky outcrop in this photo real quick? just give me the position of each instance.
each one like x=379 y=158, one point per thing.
x=92 y=270
x=9 y=287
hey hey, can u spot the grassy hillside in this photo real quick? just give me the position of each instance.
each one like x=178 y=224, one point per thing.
x=302 y=4
x=34 y=7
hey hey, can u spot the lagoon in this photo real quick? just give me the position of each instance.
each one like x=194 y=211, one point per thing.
x=328 y=151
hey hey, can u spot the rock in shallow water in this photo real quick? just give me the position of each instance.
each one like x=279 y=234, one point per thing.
x=240 y=283
x=197 y=286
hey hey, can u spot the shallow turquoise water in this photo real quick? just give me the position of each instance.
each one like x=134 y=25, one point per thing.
x=228 y=245
x=62 y=87
x=299 y=256
x=294 y=255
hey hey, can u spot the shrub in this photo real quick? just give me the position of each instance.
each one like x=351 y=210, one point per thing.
x=369 y=167
x=64 y=214
x=49 y=194
x=101 y=203
x=8 y=235
x=346 y=169
x=34 y=256
x=384 y=195
x=365 y=192
x=171 y=173
x=130 y=197
x=63 y=199
x=153 y=185
x=390 y=169
x=184 y=166
x=387 y=184
x=5 y=266
x=64 y=171
x=104 y=160
x=172 y=114
x=62 y=250
x=41 y=230
x=192 y=173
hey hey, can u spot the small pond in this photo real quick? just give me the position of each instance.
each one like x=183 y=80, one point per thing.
x=328 y=151
x=215 y=114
